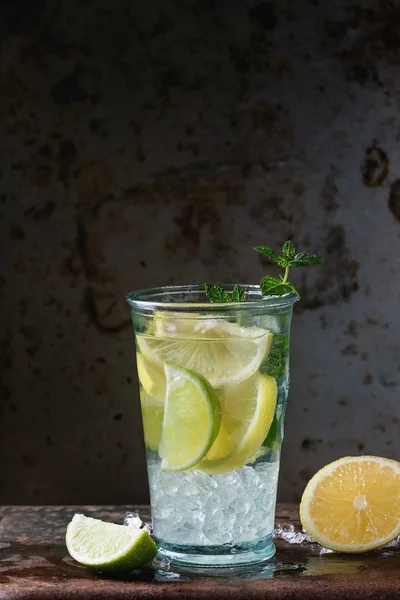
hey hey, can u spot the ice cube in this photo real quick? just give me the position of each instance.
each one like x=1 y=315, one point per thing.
x=217 y=530
x=281 y=530
x=248 y=477
x=132 y=519
x=162 y=508
x=287 y=532
x=170 y=483
x=204 y=481
x=325 y=550
x=186 y=533
x=294 y=538
x=149 y=528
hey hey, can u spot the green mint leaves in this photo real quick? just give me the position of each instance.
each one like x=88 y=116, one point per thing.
x=270 y=286
x=273 y=286
x=276 y=363
x=238 y=294
x=216 y=293
x=288 y=250
x=278 y=286
x=289 y=257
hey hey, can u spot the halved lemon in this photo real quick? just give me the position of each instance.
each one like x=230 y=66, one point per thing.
x=222 y=352
x=353 y=504
x=191 y=420
x=247 y=411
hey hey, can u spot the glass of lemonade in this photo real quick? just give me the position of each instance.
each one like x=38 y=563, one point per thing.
x=214 y=380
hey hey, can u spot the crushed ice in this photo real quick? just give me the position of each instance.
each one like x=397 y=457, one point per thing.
x=394 y=544
x=196 y=508
x=287 y=533
x=132 y=519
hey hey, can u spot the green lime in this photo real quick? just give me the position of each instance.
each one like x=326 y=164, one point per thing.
x=191 y=421
x=108 y=547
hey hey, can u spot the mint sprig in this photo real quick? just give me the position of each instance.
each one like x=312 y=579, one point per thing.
x=278 y=286
x=269 y=286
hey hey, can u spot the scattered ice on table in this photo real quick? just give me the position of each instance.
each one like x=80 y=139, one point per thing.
x=394 y=544
x=196 y=508
x=149 y=528
x=132 y=519
x=325 y=550
x=281 y=530
x=287 y=533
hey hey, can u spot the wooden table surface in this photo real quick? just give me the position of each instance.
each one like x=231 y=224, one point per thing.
x=34 y=564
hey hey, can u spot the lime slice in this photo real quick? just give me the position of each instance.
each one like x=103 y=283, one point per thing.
x=108 y=547
x=152 y=417
x=191 y=421
x=247 y=411
x=151 y=377
x=224 y=353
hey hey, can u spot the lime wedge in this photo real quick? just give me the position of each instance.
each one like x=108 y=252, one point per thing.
x=108 y=547
x=247 y=411
x=152 y=417
x=222 y=352
x=191 y=420
x=151 y=377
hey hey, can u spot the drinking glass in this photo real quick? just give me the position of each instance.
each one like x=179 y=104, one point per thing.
x=214 y=380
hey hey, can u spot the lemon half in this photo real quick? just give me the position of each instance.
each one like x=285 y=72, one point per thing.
x=353 y=504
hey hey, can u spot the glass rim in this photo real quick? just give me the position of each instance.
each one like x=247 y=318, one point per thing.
x=147 y=298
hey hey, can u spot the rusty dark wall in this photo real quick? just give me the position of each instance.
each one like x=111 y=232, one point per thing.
x=150 y=143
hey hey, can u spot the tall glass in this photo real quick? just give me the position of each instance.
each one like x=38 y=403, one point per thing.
x=214 y=381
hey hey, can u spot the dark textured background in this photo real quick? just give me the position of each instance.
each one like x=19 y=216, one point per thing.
x=156 y=142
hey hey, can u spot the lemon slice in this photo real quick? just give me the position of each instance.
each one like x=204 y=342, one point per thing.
x=353 y=504
x=247 y=411
x=191 y=420
x=151 y=377
x=152 y=417
x=224 y=353
x=108 y=547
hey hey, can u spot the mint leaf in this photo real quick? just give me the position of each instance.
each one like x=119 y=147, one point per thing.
x=304 y=259
x=238 y=294
x=273 y=286
x=276 y=363
x=216 y=293
x=288 y=251
x=271 y=435
x=272 y=255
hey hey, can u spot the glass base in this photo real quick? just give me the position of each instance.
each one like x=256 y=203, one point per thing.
x=248 y=554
